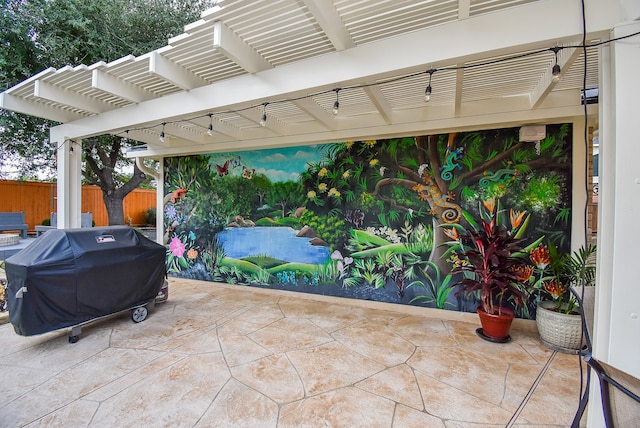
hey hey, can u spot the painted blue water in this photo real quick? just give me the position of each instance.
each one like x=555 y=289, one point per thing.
x=277 y=242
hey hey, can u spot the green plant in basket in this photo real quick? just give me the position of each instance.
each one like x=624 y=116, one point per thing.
x=556 y=272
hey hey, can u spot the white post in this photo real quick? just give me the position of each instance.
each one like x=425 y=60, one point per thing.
x=160 y=202
x=69 y=204
x=617 y=310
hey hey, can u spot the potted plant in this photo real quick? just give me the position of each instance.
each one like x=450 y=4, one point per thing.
x=557 y=314
x=493 y=266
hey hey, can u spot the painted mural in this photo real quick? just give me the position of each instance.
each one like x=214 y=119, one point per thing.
x=361 y=219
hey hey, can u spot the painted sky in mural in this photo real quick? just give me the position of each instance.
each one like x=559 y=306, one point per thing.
x=284 y=164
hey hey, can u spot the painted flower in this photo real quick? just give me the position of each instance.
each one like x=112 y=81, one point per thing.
x=322 y=172
x=516 y=217
x=540 y=257
x=490 y=204
x=370 y=143
x=523 y=273
x=311 y=194
x=170 y=212
x=192 y=254
x=346 y=174
x=177 y=247
x=322 y=187
x=348 y=144
x=374 y=162
x=382 y=170
x=451 y=233
x=334 y=192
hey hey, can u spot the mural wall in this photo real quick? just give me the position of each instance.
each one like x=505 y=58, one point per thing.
x=361 y=219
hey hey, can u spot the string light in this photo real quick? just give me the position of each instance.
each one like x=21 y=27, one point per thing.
x=210 y=128
x=427 y=92
x=263 y=120
x=555 y=71
x=126 y=138
x=162 y=140
x=336 y=105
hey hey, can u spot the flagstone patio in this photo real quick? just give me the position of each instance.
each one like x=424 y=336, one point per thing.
x=235 y=356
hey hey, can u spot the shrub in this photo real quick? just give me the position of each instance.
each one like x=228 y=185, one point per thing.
x=150 y=216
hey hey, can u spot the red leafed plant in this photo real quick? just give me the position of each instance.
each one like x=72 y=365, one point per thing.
x=491 y=259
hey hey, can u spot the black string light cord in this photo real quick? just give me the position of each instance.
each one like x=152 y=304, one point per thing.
x=430 y=72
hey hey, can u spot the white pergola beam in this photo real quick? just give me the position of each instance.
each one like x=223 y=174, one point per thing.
x=21 y=105
x=411 y=122
x=271 y=124
x=380 y=102
x=459 y=90
x=566 y=57
x=312 y=108
x=234 y=48
x=223 y=128
x=168 y=70
x=57 y=94
x=382 y=59
x=108 y=83
x=327 y=17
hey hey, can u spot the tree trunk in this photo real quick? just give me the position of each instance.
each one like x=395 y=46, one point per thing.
x=115 y=208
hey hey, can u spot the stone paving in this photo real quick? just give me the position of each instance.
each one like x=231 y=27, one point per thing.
x=216 y=355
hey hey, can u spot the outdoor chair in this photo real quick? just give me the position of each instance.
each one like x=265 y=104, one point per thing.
x=619 y=391
x=86 y=220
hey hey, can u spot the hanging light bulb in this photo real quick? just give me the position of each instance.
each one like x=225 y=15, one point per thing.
x=210 y=128
x=263 y=120
x=427 y=92
x=555 y=71
x=162 y=140
x=336 y=105
x=126 y=138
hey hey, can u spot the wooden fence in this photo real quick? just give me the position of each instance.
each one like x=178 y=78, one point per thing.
x=38 y=200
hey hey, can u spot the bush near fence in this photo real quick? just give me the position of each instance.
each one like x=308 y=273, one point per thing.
x=38 y=200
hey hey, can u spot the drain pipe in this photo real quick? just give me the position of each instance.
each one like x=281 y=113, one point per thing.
x=146 y=169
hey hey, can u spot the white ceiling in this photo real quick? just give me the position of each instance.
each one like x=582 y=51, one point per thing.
x=492 y=57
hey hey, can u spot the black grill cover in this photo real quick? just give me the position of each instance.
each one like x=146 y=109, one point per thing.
x=67 y=277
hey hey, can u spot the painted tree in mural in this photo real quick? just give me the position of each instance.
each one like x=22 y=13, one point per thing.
x=404 y=184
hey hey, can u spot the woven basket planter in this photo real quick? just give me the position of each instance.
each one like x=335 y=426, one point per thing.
x=562 y=332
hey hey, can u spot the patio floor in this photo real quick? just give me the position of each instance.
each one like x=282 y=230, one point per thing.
x=233 y=356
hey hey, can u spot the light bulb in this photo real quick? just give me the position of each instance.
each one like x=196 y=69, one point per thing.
x=555 y=72
x=336 y=106
x=263 y=120
x=162 y=140
x=427 y=94
x=210 y=128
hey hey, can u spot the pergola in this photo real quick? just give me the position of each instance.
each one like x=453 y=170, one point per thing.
x=488 y=63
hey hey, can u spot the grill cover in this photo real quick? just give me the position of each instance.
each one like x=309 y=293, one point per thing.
x=67 y=277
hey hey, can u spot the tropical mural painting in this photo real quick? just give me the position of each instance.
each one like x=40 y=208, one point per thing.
x=370 y=219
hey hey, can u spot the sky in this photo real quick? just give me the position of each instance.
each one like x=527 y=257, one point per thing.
x=282 y=164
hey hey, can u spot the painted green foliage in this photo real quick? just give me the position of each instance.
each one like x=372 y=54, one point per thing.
x=381 y=207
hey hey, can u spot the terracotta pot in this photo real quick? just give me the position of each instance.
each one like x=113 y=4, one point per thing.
x=496 y=327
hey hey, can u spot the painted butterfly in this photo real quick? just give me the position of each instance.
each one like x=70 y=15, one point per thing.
x=235 y=162
x=247 y=173
x=223 y=170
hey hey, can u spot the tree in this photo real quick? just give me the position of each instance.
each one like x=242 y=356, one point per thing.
x=437 y=178
x=36 y=34
x=286 y=194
